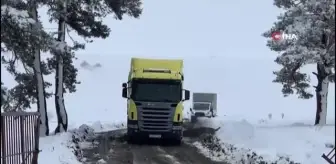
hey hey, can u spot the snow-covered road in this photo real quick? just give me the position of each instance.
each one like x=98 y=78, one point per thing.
x=111 y=147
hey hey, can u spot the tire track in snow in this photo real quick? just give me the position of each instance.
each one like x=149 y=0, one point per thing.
x=113 y=148
x=171 y=158
x=147 y=154
x=188 y=154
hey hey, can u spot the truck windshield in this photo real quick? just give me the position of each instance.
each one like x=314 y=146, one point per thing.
x=156 y=91
x=201 y=106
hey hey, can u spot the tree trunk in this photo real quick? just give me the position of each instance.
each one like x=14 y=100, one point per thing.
x=62 y=115
x=41 y=99
x=321 y=94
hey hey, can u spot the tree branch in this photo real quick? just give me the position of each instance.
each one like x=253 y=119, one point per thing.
x=68 y=32
x=314 y=73
x=297 y=66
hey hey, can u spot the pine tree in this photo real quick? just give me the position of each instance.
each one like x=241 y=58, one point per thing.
x=86 y=21
x=22 y=38
x=313 y=22
x=3 y=94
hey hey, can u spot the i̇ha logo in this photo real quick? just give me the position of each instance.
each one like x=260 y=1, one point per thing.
x=277 y=36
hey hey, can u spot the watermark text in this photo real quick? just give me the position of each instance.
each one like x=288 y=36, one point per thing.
x=278 y=36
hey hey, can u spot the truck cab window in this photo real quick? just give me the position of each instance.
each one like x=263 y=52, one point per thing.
x=156 y=91
x=201 y=106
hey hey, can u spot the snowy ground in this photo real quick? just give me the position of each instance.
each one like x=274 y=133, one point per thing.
x=224 y=58
x=98 y=103
x=291 y=136
x=61 y=148
x=297 y=140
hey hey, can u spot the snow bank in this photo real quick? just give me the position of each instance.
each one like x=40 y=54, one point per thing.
x=212 y=147
x=66 y=148
x=55 y=150
x=238 y=141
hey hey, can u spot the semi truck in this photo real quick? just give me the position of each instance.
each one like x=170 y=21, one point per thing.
x=155 y=96
x=203 y=105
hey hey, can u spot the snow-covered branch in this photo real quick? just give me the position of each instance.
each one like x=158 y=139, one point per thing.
x=21 y=17
x=313 y=24
x=59 y=47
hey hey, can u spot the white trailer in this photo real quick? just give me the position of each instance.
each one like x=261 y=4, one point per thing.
x=203 y=105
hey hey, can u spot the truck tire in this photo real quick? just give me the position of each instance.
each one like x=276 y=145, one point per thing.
x=174 y=141
x=129 y=140
x=193 y=119
x=131 y=137
x=135 y=140
x=177 y=142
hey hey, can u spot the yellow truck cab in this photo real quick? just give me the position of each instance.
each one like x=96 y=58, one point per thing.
x=155 y=95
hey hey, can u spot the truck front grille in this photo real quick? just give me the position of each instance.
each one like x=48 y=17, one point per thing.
x=199 y=114
x=155 y=119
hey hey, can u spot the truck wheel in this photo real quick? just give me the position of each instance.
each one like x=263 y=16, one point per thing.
x=135 y=140
x=130 y=139
x=175 y=141
x=193 y=119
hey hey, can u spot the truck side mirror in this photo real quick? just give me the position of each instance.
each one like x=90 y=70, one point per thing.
x=124 y=93
x=186 y=94
x=124 y=85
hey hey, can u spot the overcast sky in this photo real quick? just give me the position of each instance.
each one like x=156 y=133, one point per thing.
x=192 y=27
x=221 y=44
